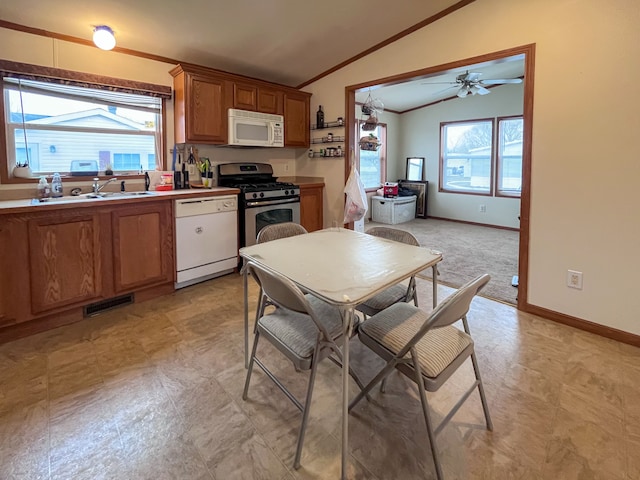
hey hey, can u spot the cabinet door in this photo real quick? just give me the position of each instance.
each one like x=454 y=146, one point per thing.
x=64 y=260
x=206 y=113
x=245 y=96
x=296 y=120
x=311 y=205
x=142 y=246
x=270 y=101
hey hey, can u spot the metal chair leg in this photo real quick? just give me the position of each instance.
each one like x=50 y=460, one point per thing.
x=427 y=415
x=380 y=376
x=483 y=399
x=307 y=407
x=250 y=367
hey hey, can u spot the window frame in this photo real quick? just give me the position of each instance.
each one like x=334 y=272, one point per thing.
x=383 y=154
x=61 y=76
x=441 y=187
x=494 y=191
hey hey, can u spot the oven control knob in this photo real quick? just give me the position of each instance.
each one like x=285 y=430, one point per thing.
x=286 y=192
x=255 y=195
x=261 y=194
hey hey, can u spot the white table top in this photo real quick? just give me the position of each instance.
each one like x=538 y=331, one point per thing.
x=341 y=266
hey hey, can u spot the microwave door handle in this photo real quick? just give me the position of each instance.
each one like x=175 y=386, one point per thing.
x=272 y=133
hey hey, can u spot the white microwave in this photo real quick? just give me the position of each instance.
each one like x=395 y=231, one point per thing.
x=255 y=129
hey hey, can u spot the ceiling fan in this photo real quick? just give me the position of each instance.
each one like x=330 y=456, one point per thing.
x=470 y=83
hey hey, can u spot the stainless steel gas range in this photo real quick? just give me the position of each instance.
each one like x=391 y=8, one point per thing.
x=263 y=200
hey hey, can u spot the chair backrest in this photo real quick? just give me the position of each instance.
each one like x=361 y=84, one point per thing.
x=455 y=307
x=284 y=293
x=280 y=230
x=394 y=234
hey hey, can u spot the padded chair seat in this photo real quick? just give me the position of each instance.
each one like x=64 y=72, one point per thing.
x=391 y=295
x=296 y=333
x=395 y=326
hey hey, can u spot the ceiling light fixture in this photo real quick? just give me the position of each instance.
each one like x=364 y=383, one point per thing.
x=104 y=37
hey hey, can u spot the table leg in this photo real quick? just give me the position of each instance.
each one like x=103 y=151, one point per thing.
x=347 y=329
x=435 y=285
x=245 y=285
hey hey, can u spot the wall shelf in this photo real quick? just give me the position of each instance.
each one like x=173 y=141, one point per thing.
x=327 y=125
x=336 y=139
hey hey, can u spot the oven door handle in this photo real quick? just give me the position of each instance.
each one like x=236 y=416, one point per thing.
x=273 y=202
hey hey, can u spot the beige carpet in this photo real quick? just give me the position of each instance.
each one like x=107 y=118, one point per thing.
x=469 y=251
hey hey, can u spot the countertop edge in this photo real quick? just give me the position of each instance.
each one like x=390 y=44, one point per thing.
x=25 y=205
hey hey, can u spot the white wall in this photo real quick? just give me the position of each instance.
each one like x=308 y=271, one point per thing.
x=420 y=137
x=585 y=166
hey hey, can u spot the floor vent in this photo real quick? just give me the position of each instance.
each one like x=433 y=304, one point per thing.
x=99 y=307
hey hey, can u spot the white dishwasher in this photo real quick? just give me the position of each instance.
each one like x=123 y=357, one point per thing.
x=206 y=238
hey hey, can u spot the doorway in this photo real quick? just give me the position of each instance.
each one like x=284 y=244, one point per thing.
x=528 y=54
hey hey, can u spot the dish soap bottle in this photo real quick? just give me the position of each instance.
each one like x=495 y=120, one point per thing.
x=56 y=186
x=43 y=188
x=320 y=118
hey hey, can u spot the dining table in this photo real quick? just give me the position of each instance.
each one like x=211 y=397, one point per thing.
x=344 y=268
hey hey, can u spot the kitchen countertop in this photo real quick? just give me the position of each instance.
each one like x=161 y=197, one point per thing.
x=304 y=181
x=67 y=202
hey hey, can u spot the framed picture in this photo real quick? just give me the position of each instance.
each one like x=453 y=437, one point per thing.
x=420 y=189
x=415 y=169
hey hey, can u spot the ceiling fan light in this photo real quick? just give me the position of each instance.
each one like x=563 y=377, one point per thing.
x=463 y=92
x=104 y=37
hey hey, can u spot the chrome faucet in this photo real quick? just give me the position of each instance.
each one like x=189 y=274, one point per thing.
x=97 y=187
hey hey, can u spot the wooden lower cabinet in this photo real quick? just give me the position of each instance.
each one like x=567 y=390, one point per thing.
x=64 y=261
x=60 y=261
x=142 y=238
x=311 y=207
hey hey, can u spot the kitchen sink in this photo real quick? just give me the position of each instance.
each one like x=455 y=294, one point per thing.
x=90 y=196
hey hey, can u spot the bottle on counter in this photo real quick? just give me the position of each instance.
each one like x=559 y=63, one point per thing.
x=320 y=118
x=43 y=188
x=56 y=186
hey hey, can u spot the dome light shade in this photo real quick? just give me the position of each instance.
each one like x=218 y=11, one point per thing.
x=103 y=37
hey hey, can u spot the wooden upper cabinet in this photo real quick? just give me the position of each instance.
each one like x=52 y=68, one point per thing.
x=64 y=260
x=142 y=246
x=296 y=119
x=245 y=96
x=270 y=101
x=200 y=107
x=257 y=98
x=203 y=96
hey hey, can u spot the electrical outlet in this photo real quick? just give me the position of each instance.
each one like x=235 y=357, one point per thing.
x=482 y=209
x=574 y=279
x=286 y=167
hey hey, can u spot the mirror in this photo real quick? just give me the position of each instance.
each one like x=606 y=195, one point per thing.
x=415 y=168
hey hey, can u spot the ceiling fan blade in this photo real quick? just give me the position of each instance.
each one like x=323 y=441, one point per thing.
x=499 y=81
x=438 y=83
x=480 y=90
x=473 y=76
x=463 y=92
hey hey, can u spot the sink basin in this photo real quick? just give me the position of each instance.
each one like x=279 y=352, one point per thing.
x=122 y=194
x=90 y=196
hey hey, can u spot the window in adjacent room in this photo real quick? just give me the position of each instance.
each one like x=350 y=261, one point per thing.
x=466 y=151
x=373 y=162
x=53 y=124
x=509 y=156
x=478 y=158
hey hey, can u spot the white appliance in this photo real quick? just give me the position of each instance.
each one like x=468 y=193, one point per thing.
x=255 y=129
x=206 y=238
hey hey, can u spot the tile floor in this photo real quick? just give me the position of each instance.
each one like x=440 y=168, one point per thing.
x=153 y=390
